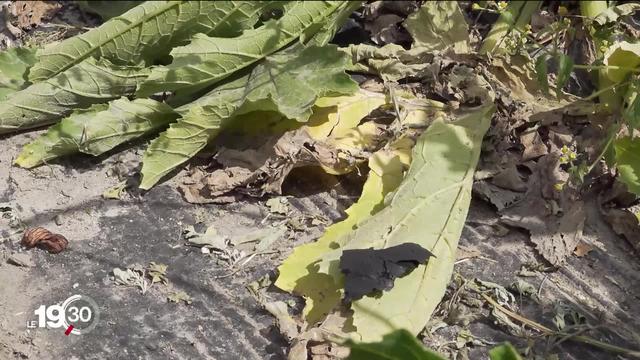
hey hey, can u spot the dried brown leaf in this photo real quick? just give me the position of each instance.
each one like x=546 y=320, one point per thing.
x=533 y=145
x=582 y=249
x=510 y=179
x=32 y=13
x=554 y=220
x=624 y=223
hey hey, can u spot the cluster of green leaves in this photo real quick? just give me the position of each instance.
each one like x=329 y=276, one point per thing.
x=627 y=148
x=616 y=69
x=218 y=59
x=564 y=65
x=618 y=82
x=514 y=20
x=401 y=345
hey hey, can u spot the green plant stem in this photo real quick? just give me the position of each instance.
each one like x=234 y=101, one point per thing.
x=545 y=330
x=608 y=88
x=610 y=138
x=591 y=9
x=516 y=16
x=606 y=67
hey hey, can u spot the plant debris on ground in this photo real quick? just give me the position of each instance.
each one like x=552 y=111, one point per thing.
x=530 y=107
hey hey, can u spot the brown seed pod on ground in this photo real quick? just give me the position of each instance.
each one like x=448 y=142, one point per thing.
x=44 y=239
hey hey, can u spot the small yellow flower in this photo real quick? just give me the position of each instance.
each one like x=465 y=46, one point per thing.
x=562 y=11
x=476 y=7
x=573 y=156
x=564 y=159
x=564 y=149
x=558 y=186
x=502 y=5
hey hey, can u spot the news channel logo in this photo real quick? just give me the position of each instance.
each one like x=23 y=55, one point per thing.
x=77 y=315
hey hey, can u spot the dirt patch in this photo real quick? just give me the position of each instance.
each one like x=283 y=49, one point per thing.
x=601 y=286
x=223 y=322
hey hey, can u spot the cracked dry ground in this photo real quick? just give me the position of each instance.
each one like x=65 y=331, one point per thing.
x=225 y=321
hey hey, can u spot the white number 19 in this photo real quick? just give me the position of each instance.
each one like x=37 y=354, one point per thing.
x=54 y=314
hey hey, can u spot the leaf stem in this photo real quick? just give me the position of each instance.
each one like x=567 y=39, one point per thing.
x=607 y=67
x=591 y=9
x=547 y=331
x=610 y=138
x=516 y=16
x=603 y=90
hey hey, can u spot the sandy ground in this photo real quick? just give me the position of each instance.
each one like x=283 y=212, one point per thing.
x=223 y=322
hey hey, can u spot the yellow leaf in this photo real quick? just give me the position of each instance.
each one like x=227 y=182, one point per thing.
x=299 y=274
x=355 y=139
x=335 y=121
x=429 y=208
x=335 y=116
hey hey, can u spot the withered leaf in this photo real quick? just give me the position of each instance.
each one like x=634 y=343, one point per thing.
x=582 y=249
x=368 y=270
x=555 y=236
x=179 y=296
x=624 y=223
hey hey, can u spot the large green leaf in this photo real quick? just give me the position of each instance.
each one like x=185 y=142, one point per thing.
x=631 y=112
x=627 y=151
x=397 y=345
x=439 y=25
x=326 y=31
x=401 y=345
x=623 y=57
x=14 y=64
x=207 y=60
x=90 y=82
x=97 y=130
x=287 y=82
x=438 y=188
x=147 y=33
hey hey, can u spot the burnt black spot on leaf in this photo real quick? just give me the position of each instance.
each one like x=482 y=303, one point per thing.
x=369 y=270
